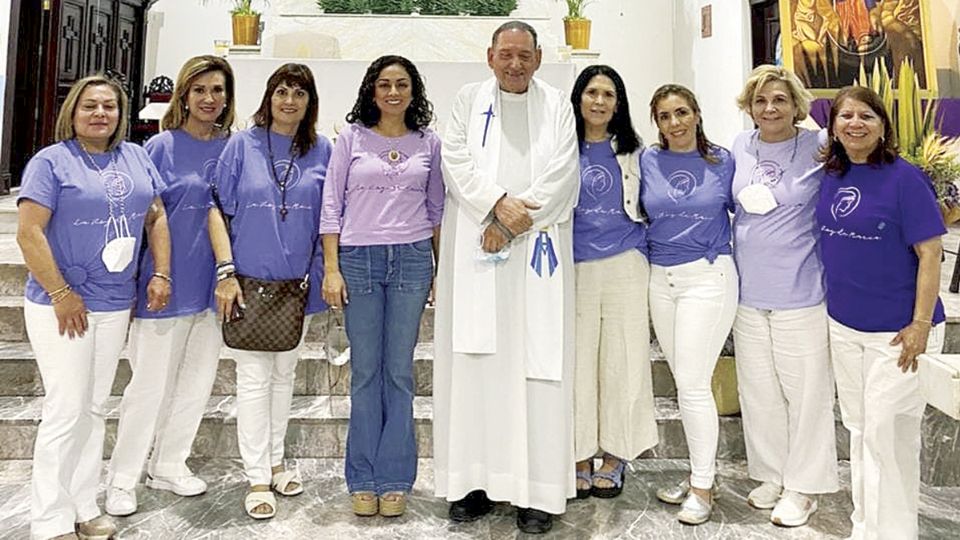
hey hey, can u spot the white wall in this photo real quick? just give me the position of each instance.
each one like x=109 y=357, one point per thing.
x=714 y=67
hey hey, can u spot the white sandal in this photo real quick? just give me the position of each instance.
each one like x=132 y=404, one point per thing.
x=257 y=498
x=282 y=480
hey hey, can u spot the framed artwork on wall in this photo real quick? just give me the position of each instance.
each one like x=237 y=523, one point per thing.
x=825 y=42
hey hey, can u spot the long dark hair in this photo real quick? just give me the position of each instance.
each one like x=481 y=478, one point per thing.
x=417 y=116
x=835 y=155
x=293 y=75
x=707 y=149
x=620 y=125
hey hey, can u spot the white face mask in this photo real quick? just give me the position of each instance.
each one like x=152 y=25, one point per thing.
x=117 y=254
x=757 y=199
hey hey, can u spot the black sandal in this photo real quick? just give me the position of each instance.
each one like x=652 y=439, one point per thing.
x=617 y=476
x=586 y=476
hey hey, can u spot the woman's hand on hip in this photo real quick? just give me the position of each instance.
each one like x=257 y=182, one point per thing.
x=228 y=293
x=334 y=290
x=913 y=341
x=71 y=315
x=158 y=294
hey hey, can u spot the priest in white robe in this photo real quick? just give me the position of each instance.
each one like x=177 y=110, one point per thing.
x=504 y=335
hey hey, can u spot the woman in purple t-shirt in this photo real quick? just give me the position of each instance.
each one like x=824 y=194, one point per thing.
x=268 y=182
x=381 y=227
x=880 y=229
x=83 y=206
x=685 y=189
x=613 y=390
x=783 y=360
x=174 y=353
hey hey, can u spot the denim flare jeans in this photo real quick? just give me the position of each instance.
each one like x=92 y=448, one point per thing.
x=387 y=287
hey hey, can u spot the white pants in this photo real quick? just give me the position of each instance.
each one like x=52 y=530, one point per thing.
x=264 y=395
x=174 y=363
x=786 y=397
x=883 y=409
x=77 y=375
x=613 y=392
x=692 y=306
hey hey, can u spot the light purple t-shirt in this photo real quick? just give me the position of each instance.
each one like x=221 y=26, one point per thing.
x=82 y=201
x=776 y=253
x=870 y=218
x=264 y=246
x=601 y=228
x=185 y=164
x=383 y=190
x=687 y=200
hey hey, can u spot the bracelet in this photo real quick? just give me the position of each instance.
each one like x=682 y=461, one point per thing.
x=503 y=229
x=924 y=322
x=225 y=275
x=59 y=291
x=224 y=264
x=163 y=276
x=60 y=294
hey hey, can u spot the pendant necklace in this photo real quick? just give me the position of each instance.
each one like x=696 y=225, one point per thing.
x=112 y=198
x=281 y=184
x=756 y=145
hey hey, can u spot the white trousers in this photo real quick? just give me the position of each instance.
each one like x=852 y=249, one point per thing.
x=786 y=397
x=264 y=395
x=174 y=363
x=77 y=375
x=883 y=409
x=692 y=306
x=613 y=391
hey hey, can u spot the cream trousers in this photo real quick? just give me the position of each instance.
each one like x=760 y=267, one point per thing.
x=174 y=363
x=613 y=392
x=883 y=409
x=787 y=396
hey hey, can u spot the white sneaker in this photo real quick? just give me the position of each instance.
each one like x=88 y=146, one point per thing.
x=765 y=496
x=121 y=502
x=184 y=486
x=695 y=510
x=793 y=510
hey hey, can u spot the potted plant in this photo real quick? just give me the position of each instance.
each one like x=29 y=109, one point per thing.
x=917 y=136
x=246 y=22
x=576 y=27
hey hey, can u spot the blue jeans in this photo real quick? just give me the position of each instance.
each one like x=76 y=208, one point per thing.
x=387 y=287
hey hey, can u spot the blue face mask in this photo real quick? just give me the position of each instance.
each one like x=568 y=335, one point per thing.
x=493 y=258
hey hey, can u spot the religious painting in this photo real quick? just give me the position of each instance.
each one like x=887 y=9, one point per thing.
x=826 y=41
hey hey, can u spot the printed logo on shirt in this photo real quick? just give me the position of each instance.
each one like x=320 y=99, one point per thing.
x=845 y=202
x=768 y=173
x=209 y=168
x=597 y=181
x=117 y=184
x=393 y=162
x=280 y=169
x=682 y=185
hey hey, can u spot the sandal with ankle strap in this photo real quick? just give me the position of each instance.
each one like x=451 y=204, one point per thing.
x=617 y=476
x=586 y=476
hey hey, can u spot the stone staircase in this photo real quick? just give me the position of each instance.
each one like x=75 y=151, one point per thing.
x=318 y=424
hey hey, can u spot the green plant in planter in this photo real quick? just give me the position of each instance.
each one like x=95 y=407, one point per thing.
x=393 y=7
x=345 y=6
x=241 y=7
x=575 y=8
x=494 y=8
x=441 y=7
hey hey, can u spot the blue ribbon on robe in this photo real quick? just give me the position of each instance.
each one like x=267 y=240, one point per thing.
x=489 y=114
x=543 y=248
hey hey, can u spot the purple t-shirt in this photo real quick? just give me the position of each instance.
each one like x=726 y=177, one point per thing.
x=392 y=186
x=776 y=253
x=601 y=228
x=264 y=246
x=687 y=200
x=185 y=164
x=82 y=201
x=870 y=218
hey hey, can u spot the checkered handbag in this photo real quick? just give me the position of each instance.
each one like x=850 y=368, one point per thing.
x=272 y=320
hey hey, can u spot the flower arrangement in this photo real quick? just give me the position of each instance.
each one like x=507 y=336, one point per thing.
x=917 y=136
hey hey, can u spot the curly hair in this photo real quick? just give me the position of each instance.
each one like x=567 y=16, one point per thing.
x=707 y=149
x=620 y=125
x=834 y=155
x=292 y=75
x=419 y=113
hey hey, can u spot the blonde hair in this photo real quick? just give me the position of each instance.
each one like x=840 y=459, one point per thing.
x=177 y=113
x=65 y=130
x=765 y=73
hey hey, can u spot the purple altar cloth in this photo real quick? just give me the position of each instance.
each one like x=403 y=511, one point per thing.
x=948 y=115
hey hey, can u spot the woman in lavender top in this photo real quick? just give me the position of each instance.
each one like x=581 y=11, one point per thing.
x=880 y=229
x=613 y=392
x=381 y=228
x=783 y=365
x=693 y=280
x=268 y=183
x=83 y=206
x=174 y=352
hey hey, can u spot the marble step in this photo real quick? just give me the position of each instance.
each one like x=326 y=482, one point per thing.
x=19 y=375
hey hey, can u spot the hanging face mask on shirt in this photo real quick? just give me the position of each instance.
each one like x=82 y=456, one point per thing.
x=757 y=199
x=117 y=254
